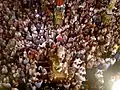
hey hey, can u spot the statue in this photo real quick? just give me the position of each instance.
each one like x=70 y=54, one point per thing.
x=60 y=64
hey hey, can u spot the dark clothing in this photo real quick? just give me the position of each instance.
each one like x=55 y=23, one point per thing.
x=22 y=86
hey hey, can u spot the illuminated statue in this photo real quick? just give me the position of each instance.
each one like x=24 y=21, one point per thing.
x=60 y=64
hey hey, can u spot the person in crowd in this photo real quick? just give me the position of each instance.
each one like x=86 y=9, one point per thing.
x=28 y=34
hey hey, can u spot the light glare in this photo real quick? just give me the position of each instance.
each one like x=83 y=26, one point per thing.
x=116 y=85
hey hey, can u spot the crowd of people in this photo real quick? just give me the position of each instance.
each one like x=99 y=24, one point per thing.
x=28 y=33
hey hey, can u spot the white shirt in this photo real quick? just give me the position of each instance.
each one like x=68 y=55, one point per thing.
x=107 y=65
x=6 y=84
x=14 y=89
x=33 y=28
x=42 y=26
x=20 y=60
x=38 y=84
x=67 y=26
x=26 y=29
x=43 y=44
x=18 y=34
x=33 y=88
x=34 y=35
x=4 y=69
x=59 y=30
x=37 y=15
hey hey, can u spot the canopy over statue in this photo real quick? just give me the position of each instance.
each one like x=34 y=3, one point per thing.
x=59 y=2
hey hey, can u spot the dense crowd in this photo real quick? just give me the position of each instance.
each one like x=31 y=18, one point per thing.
x=28 y=33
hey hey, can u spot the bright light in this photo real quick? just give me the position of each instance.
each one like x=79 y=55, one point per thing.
x=116 y=85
